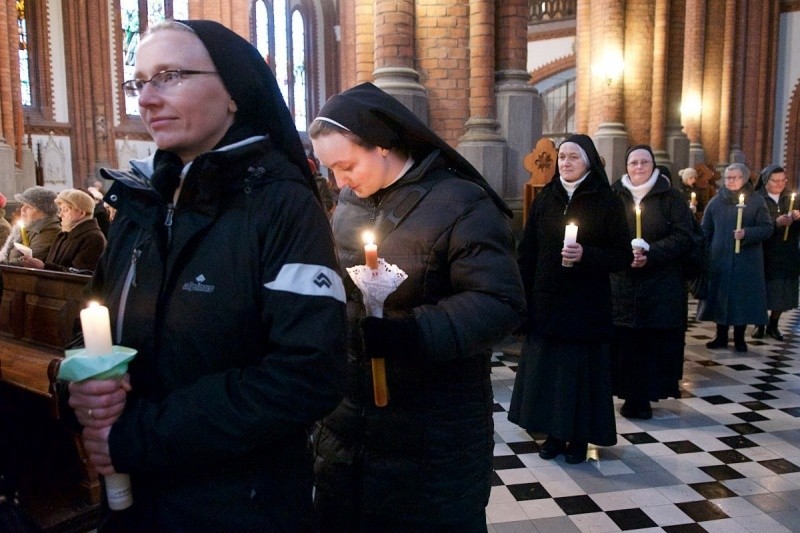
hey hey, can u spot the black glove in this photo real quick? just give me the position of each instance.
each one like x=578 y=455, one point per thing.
x=391 y=338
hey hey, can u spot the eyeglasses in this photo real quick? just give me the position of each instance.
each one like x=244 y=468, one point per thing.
x=162 y=81
x=642 y=163
x=734 y=177
x=773 y=180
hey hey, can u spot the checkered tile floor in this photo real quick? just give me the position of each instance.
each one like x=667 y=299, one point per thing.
x=723 y=457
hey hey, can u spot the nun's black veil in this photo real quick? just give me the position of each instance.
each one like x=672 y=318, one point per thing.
x=595 y=161
x=251 y=84
x=382 y=120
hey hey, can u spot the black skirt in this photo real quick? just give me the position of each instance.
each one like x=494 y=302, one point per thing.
x=564 y=389
x=646 y=363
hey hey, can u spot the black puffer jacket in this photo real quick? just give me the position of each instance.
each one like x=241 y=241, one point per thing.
x=239 y=323
x=655 y=296
x=573 y=304
x=427 y=455
x=781 y=257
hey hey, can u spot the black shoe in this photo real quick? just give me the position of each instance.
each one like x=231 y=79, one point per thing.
x=758 y=333
x=552 y=448
x=740 y=346
x=639 y=411
x=576 y=452
x=717 y=343
x=775 y=334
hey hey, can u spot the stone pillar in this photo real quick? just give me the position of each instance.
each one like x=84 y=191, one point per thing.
x=519 y=106
x=394 y=55
x=482 y=144
x=11 y=126
x=608 y=41
x=693 y=54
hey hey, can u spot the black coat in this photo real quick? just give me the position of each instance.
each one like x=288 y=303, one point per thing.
x=427 y=456
x=654 y=296
x=781 y=257
x=573 y=304
x=239 y=349
x=80 y=248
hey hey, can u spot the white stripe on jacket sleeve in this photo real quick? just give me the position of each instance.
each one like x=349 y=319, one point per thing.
x=308 y=280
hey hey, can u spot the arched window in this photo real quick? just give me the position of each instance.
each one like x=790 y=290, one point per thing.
x=558 y=98
x=24 y=64
x=135 y=17
x=279 y=29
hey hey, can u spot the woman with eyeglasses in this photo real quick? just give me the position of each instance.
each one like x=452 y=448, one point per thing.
x=220 y=271
x=563 y=384
x=737 y=293
x=781 y=252
x=649 y=297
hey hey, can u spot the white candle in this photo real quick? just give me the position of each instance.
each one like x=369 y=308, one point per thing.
x=96 y=326
x=693 y=201
x=370 y=250
x=570 y=234
x=24 y=234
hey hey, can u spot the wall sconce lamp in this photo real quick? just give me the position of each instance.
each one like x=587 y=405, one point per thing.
x=691 y=107
x=610 y=68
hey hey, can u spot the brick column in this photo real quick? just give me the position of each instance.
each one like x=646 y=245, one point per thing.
x=726 y=96
x=364 y=40
x=677 y=142
x=658 y=109
x=519 y=106
x=693 y=54
x=715 y=35
x=482 y=144
x=608 y=40
x=583 y=57
x=394 y=55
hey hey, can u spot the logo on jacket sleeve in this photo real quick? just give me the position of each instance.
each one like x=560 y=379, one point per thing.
x=198 y=285
x=308 y=280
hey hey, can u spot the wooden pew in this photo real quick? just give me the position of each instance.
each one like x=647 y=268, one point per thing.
x=541 y=163
x=39 y=310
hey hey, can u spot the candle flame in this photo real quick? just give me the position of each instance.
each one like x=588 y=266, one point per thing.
x=368 y=237
x=638 y=209
x=741 y=198
x=93 y=303
x=21 y=224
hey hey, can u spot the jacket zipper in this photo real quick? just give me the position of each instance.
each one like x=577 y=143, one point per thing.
x=168 y=222
x=130 y=281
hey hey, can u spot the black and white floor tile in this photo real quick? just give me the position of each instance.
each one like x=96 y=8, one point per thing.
x=723 y=457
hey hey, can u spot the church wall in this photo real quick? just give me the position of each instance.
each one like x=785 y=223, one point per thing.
x=788 y=76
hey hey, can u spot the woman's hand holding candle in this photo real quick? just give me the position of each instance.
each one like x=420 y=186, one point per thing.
x=791 y=208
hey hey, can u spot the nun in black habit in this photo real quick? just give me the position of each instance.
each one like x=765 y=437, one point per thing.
x=423 y=462
x=213 y=273
x=563 y=385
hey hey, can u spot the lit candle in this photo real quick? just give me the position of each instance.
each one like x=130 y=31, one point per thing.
x=24 y=234
x=570 y=237
x=96 y=327
x=791 y=208
x=693 y=201
x=370 y=250
x=740 y=209
x=638 y=222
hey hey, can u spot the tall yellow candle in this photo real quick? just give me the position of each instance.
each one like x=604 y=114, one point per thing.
x=380 y=389
x=638 y=222
x=740 y=209
x=791 y=208
x=24 y=234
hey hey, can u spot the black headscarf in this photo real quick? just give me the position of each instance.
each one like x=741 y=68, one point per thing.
x=251 y=84
x=595 y=161
x=645 y=147
x=768 y=171
x=381 y=120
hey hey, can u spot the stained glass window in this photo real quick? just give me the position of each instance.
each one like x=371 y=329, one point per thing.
x=24 y=63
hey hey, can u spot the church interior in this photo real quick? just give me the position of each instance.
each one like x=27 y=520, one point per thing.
x=706 y=83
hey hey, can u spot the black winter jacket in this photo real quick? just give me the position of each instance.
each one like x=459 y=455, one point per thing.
x=573 y=303
x=427 y=456
x=655 y=296
x=235 y=305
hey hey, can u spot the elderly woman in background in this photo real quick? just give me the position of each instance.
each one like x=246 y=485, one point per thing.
x=737 y=294
x=687 y=186
x=563 y=384
x=79 y=245
x=781 y=253
x=39 y=215
x=649 y=299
